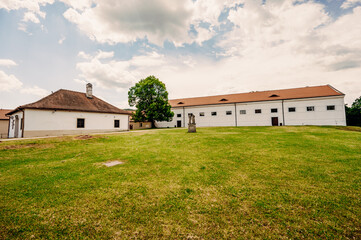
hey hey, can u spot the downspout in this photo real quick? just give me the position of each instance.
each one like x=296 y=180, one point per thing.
x=344 y=111
x=235 y=113
x=128 y=122
x=9 y=128
x=283 y=114
x=184 y=118
x=23 y=124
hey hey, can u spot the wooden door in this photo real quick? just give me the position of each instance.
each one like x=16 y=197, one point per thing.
x=275 y=121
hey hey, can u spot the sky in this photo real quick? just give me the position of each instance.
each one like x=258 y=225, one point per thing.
x=196 y=47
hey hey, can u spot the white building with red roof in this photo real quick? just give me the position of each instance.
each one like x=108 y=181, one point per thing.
x=66 y=112
x=319 y=105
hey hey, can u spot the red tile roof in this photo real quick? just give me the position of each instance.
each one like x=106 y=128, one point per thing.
x=3 y=112
x=283 y=94
x=72 y=101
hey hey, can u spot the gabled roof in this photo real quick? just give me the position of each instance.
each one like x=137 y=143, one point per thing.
x=71 y=101
x=283 y=94
x=3 y=113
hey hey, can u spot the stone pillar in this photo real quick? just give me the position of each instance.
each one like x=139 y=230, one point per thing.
x=192 y=124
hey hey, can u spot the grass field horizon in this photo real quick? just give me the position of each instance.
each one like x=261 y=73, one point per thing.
x=225 y=182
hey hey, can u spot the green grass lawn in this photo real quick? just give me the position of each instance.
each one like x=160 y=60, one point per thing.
x=246 y=182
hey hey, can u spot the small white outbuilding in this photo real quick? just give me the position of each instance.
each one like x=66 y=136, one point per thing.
x=66 y=112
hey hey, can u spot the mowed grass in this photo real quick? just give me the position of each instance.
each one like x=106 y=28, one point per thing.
x=243 y=183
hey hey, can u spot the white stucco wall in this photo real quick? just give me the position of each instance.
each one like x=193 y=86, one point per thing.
x=321 y=116
x=12 y=128
x=53 y=123
x=67 y=120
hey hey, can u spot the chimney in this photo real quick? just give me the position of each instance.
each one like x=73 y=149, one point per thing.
x=89 y=90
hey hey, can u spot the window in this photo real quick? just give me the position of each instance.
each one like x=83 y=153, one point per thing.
x=330 y=107
x=21 y=124
x=258 y=111
x=80 y=123
x=179 y=115
x=140 y=124
x=310 y=109
x=242 y=111
x=223 y=100
x=181 y=103
x=274 y=95
x=228 y=112
x=292 y=109
x=274 y=110
x=201 y=114
x=214 y=113
x=116 y=123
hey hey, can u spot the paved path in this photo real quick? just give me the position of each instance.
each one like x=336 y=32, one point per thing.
x=108 y=133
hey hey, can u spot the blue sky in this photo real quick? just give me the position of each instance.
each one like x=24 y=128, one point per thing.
x=197 y=48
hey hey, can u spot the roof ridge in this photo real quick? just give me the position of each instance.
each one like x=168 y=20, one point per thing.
x=64 y=99
x=220 y=95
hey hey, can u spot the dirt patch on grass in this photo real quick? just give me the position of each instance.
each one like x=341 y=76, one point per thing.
x=87 y=137
x=350 y=128
x=28 y=145
x=83 y=137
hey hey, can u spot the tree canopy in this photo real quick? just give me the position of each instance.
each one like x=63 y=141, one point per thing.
x=150 y=97
x=353 y=113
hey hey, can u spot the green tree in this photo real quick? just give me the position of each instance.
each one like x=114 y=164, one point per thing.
x=150 y=97
x=353 y=113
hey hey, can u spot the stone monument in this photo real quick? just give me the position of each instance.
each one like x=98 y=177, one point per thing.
x=192 y=123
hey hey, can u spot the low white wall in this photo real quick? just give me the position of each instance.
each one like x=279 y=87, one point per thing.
x=4 y=128
x=46 y=122
x=321 y=116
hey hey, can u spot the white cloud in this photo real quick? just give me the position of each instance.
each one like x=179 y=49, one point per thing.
x=61 y=40
x=79 y=4
x=31 y=5
x=273 y=46
x=33 y=10
x=9 y=82
x=350 y=3
x=124 y=21
x=110 y=21
x=108 y=73
x=7 y=63
x=84 y=55
x=30 y=16
x=35 y=90
x=102 y=55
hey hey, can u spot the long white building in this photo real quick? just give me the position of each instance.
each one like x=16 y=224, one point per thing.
x=66 y=112
x=320 y=105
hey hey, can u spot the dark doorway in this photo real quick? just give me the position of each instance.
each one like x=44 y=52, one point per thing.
x=275 y=121
x=179 y=123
